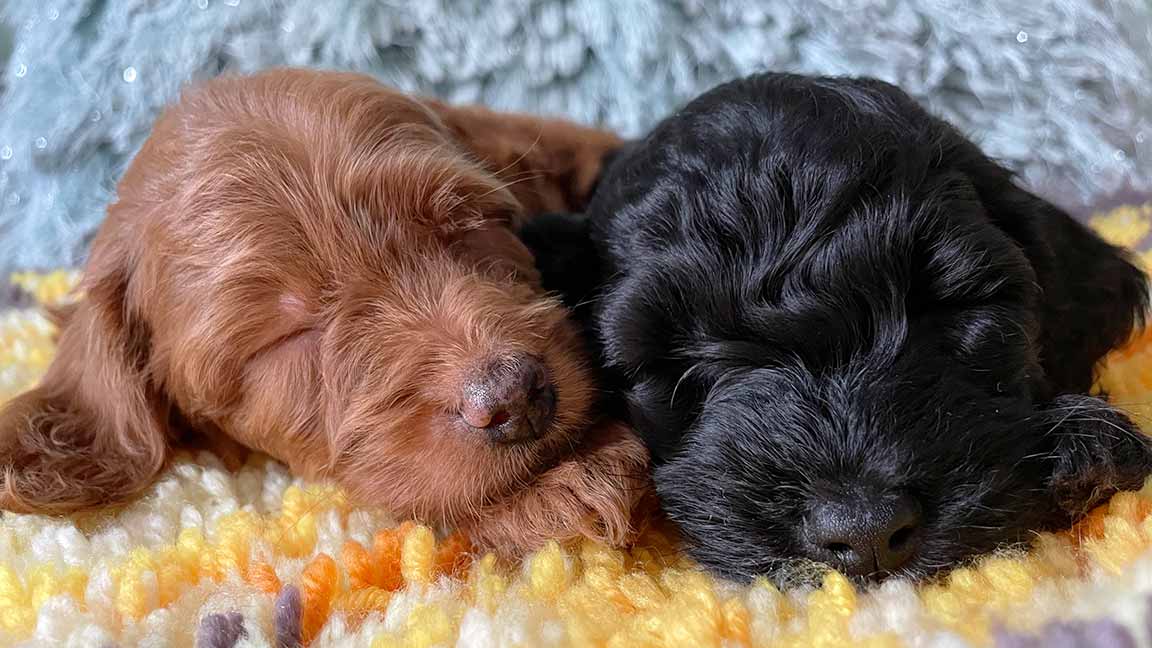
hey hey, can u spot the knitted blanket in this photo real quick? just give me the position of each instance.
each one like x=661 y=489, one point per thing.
x=258 y=558
x=1059 y=90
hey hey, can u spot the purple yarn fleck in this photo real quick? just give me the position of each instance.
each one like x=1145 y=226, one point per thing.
x=1004 y=638
x=1148 y=616
x=1064 y=634
x=221 y=630
x=286 y=618
x=1101 y=633
x=1106 y=633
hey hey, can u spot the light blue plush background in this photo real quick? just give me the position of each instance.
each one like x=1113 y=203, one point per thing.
x=1061 y=90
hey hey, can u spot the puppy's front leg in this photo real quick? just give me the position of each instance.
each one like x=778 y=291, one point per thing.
x=1098 y=451
x=598 y=493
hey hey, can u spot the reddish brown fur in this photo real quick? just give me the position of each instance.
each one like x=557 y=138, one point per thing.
x=310 y=263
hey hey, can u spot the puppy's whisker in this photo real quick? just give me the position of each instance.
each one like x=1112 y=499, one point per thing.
x=683 y=376
x=524 y=154
x=509 y=184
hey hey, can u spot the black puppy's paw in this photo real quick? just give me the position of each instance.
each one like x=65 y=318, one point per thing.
x=1098 y=452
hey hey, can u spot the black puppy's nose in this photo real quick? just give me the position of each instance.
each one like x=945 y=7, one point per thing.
x=864 y=536
x=512 y=399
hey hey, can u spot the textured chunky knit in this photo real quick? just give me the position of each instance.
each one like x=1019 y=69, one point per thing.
x=257 y=558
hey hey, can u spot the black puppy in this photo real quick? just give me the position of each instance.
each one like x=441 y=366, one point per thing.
x=846 y=334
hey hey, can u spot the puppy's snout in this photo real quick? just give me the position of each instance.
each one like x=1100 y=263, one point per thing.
x=864 y=536
x=512 y=399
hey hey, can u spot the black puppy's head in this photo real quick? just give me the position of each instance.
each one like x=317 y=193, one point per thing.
x=847 y=336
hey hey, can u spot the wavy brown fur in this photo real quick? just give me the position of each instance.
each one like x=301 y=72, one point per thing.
x=310 y=264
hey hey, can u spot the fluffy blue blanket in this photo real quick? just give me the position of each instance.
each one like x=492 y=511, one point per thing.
x=1061 y=90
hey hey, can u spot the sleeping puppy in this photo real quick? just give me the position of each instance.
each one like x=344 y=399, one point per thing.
x=326 y=270
x=846 y=335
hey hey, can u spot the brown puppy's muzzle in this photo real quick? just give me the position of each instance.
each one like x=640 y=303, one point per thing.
x=512 y=399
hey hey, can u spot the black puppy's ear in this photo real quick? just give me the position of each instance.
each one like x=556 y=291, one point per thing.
x=609 y=159
x=1097 y=452
x=1092 y=294
x=565 y=256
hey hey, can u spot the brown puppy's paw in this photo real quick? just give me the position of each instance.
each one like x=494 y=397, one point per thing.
x=597 y=493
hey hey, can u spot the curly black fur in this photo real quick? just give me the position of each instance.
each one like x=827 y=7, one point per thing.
x=811 y=287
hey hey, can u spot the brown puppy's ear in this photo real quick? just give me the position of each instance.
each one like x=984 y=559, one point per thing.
x=548 y=164
x=1097 y=452
x=91 y=433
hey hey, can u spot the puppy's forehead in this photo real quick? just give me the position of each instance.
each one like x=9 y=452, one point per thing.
x=312 y=157
x=761 y=262
x=278 y=208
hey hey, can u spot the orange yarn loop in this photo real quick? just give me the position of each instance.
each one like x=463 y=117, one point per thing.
x=317 y=588
x=454 y=556
x=359 y=603
x=263 y=577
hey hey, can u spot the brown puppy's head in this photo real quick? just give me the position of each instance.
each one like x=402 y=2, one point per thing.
x=311 y=264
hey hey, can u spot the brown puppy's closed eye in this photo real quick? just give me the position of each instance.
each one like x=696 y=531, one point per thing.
x=326 y=270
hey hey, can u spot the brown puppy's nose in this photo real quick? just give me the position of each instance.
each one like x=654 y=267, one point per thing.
x=513 y=399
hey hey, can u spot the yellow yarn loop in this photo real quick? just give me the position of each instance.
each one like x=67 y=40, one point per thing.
x=486 y=583
x=137 y=591
x=387 y=641
x=16 y=612
x=418 y=556
x=429 y=625
x=549 y=571
x=1125 y=226
x=48 y=289
x=829 y=609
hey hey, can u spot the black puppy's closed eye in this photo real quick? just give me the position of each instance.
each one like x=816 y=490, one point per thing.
x=1098 y=452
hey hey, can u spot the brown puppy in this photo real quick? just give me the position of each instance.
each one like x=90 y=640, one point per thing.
x=326 y=270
